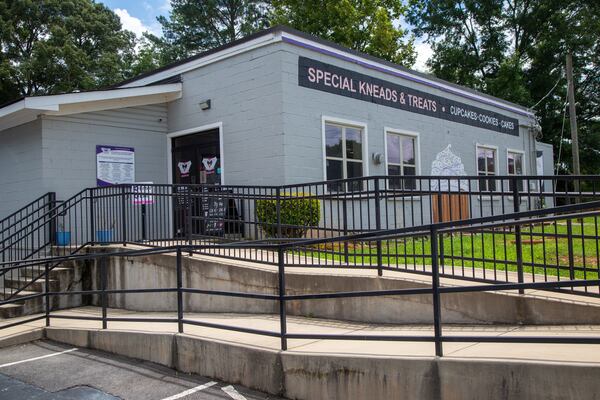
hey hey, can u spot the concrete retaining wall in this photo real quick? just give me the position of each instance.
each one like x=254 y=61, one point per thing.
x=298 y=375
x=159 y=271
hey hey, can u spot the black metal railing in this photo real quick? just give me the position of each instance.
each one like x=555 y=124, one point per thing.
x=170 y=215
x=285 y=251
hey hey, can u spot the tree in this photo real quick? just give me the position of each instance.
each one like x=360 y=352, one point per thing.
x=363 y=25
x=54 y=46
x=194 y=26
x=515 y=49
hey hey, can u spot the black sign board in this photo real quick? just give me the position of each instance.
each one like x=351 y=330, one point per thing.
x=215 y=212
x=329 y=78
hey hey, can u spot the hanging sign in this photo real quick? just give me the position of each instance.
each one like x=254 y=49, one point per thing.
x=142 y=193
x=114 y=165
x=329 y=78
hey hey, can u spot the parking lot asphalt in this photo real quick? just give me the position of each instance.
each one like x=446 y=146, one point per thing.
x=44 y=370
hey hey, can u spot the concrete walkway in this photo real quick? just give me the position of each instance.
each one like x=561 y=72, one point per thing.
x=571 y=353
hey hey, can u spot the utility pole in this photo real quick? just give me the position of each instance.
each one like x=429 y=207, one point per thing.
x=573 y=118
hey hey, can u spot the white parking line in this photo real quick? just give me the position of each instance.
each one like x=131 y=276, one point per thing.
x=190 y=391
x=37 y=358
x=230 y=390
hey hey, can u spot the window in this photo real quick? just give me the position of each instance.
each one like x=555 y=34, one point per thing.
x=401 y=160
x=486 y=166
x=343 y=155
x=515 y=167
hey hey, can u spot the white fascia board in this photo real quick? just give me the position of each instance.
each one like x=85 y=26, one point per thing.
x=403 y=74
x=54 y=101
x=22 y=105
x=209 y=59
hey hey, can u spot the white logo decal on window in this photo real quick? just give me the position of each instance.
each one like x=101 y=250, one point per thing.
x=209 y=163
x=184 y=168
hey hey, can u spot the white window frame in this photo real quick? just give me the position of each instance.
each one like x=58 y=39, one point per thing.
x=496 y=164
x=523 y=166
x=352 y=124
x=401 y=132
x=514 y=151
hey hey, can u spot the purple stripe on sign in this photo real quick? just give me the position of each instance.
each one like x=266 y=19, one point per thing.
x=402 y=75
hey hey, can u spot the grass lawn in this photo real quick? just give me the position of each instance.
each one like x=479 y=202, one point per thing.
x=491 y=250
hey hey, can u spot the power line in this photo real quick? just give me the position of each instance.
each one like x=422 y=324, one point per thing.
x=548 y=94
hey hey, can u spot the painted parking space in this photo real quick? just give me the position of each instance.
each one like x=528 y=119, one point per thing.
x=45 y=370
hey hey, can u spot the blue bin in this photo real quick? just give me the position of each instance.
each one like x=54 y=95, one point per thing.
x=104 y=236
x=63 y=238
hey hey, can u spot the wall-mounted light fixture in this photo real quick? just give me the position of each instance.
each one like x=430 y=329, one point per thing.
x=204 y=105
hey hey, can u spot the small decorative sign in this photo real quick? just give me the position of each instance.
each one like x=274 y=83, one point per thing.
x=142 y=193
x=329 y=78
x=114 y=165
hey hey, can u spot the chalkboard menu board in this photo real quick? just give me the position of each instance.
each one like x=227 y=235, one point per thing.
x=215 y=212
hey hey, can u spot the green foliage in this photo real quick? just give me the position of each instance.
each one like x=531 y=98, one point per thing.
x=55 y=46
x=298 y=212
x=194 y=26
x=369 y=26
x=516 y=50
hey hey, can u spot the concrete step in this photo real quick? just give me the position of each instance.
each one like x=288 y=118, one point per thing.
x=55 y=273
x=7 y=293
x=37 y=286
x=11 y=310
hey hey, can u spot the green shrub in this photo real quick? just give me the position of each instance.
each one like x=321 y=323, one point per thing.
x=296 y=211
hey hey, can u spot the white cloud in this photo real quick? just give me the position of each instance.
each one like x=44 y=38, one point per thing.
x=424 y=52
x=132 y=23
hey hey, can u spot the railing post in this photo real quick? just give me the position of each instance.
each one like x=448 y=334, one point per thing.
x=282 y=311
x=435 y=283
x=179 y=292
x=278 y=211
x=52 y=222
x=378 y=227
x=518 y=236
x=47 y=291
x=188 y=216
x=440 y=205
x=92 y=217
x=570 y=249
x=103 y=285
x=123 y=215
x=345 y=227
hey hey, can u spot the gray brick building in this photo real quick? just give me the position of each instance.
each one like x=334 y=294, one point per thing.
x=278 y=107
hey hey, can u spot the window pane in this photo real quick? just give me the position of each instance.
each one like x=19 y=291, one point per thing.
x=412 y=182
x=354 y=169
x=394 y=183
x=511 y=164
x=480 y=162
x=334 y=171
x=394 y=170
x=491 y=162
x=408 y=150
x=333 y=140
x=519 y=164
x=354 y=143
x=393 y=148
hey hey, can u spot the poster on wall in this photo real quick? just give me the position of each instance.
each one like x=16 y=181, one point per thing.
x=114 y=165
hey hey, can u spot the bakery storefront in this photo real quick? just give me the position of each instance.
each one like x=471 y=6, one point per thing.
x=276 y=108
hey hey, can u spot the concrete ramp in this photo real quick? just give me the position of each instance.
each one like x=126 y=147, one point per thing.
x=203 y=272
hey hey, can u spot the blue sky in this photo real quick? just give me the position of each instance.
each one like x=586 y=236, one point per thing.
x=139 y=16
